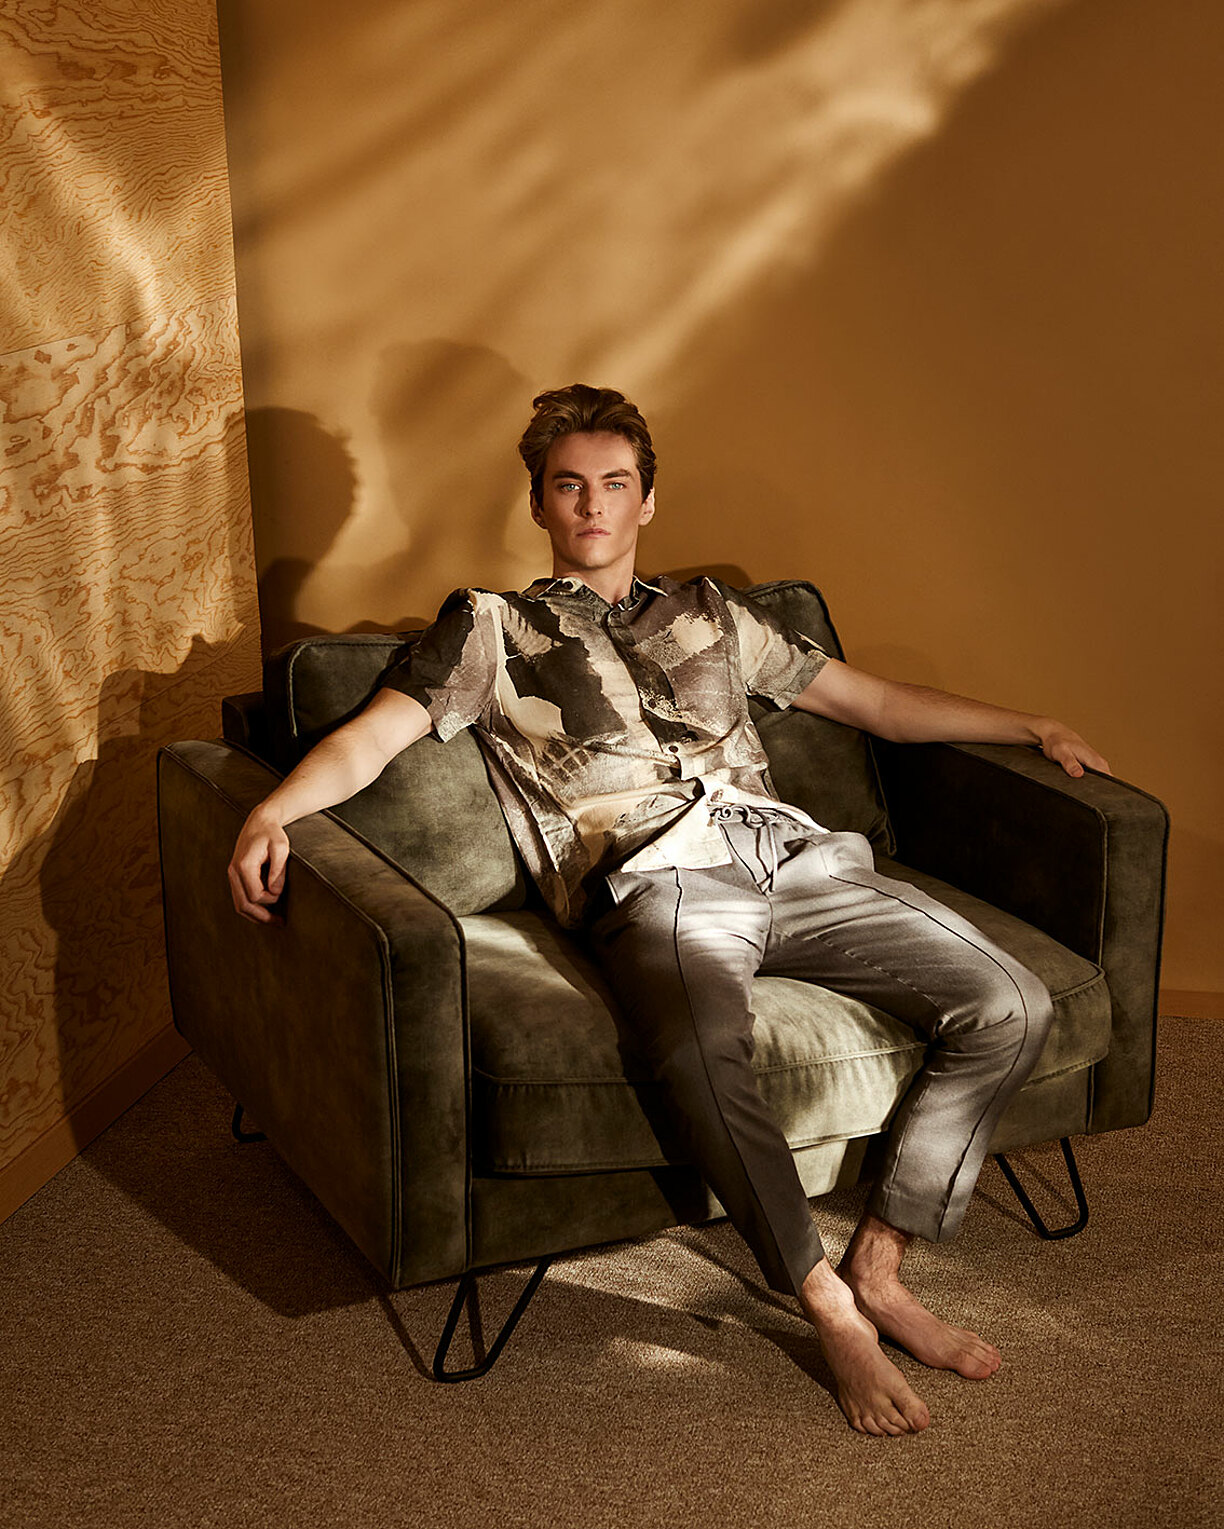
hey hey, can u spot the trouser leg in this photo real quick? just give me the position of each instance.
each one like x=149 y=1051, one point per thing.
x=986 y=1016
x=680 y=949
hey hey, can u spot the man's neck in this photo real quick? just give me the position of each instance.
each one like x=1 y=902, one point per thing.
x=611 y=584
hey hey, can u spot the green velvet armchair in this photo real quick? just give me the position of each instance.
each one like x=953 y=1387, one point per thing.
x=444 y=1067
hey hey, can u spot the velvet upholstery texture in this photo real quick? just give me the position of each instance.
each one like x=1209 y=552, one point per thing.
x=560 y=1088
x=343 y=1031
x=1084 y=860
x=444 y=1066
x=315 y=685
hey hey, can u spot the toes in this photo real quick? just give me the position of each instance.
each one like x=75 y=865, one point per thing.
x=978 y=1360
x=889 y=1421
x=880 y=1422
x=912 y=1413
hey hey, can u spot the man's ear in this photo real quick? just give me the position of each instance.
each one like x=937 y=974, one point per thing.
x=648 y=508
x=537 y=514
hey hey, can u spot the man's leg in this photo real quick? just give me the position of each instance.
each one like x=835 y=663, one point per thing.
x=986 y=1016
x=680 y=950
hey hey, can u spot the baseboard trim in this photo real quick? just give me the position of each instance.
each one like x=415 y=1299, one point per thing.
x=1191 y=1003
x=67 y=1138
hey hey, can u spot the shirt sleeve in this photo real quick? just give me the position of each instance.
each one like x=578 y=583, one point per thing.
x=777 y=662
x=451 y=669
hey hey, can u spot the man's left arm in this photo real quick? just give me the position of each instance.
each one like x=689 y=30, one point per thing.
x=916 y=714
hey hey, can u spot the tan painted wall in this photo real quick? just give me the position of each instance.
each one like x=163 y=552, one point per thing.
x=127 y=606
x=920 y=295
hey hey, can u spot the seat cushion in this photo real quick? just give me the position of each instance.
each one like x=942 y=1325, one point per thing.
x=560 y=1087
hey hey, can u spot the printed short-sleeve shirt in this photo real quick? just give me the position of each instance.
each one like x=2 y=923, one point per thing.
x=610 y=730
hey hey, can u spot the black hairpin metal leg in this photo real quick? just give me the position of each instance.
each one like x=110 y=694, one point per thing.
x=468 y=1291
x=1050 y=1234
x=239 y=1133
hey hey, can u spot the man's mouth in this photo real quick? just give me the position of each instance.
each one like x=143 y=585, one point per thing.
x=594 y=531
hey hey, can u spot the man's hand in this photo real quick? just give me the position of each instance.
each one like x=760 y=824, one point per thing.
x=257 y=868
x=1068 y=749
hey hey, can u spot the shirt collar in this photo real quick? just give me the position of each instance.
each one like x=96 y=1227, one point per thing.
x=567 y=584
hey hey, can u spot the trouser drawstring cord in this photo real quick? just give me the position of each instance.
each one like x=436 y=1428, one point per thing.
x=754 y=817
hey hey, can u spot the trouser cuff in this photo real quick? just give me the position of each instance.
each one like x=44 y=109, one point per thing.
x=932 y=1220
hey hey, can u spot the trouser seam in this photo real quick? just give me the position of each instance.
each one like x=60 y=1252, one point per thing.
x=884 y=1190
x=766 y=1219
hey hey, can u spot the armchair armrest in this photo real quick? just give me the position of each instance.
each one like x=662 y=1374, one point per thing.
x=344 y=1030
x=1084 y=860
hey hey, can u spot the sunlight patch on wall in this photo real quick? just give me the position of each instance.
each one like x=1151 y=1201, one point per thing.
x=555 y=192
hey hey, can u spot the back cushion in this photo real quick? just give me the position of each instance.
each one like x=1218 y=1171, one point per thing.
x=433 y=811
x=824 y=767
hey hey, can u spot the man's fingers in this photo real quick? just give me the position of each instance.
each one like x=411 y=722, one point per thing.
x=1076 y=761
x=278 y=859
x=260 y=915
x=250 y=875
x=247 y=888
x=240 y=894
x=1070 y=751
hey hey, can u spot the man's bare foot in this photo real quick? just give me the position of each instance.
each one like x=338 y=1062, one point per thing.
x=871 y=1269
x=872 y=1392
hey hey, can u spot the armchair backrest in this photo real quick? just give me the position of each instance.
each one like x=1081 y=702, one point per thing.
x=433 y=812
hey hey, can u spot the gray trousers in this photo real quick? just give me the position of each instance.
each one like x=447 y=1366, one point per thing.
x=680 y=949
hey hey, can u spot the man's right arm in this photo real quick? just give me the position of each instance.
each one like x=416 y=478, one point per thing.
x=336 y=768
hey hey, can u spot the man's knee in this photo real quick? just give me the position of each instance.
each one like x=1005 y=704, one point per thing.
x=1014 y=1011
x=998 y=1002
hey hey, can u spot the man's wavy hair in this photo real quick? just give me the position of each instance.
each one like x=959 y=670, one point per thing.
x=579 y=409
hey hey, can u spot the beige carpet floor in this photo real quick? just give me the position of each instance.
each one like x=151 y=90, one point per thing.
x=186 y=1339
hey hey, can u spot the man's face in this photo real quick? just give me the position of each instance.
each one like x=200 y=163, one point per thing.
x=591 y=502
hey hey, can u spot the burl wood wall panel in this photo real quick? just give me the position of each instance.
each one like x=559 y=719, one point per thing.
x=127 y=593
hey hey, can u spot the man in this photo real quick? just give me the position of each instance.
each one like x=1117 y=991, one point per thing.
x=613 y=715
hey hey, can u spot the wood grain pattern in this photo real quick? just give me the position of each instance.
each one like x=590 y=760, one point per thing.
x=112 y=166
x=125 y=466
x=81 y=935
x=128 y=605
